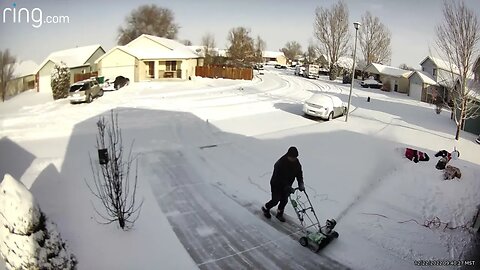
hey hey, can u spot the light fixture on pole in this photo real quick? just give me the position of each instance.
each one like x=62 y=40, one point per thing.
x=352 y=78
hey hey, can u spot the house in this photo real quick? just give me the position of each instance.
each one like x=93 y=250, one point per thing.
x=149 y=57
x=80 y=60
x=23 y=77
x=422 y=86
x=274 y=57
x=442 y=72
x=476 y=70
x=393 y=79
x=472 y=123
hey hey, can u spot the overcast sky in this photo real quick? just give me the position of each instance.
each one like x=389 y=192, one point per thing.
x=411 y=23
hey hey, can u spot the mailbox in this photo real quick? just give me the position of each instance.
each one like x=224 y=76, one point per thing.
x=102 y=156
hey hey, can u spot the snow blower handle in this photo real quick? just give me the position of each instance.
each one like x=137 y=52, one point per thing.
x=300 y=188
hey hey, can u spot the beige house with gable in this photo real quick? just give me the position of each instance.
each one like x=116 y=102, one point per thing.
x=79 y=60
x=274 y=57
x=149 y=58
x=396 y=77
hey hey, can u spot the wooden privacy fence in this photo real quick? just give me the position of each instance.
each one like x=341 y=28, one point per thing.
x=83 y=76
x=233 y=73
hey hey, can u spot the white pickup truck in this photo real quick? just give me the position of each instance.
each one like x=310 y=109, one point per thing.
x=311 y=71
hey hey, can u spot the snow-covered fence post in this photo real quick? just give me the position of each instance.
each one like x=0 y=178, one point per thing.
x=111 y=176
x=60 y=81
x=28 y=239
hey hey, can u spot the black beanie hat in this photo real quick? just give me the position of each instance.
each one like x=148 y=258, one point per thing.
x=292 y=152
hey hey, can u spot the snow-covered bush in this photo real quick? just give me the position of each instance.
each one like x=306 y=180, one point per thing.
x=60 y=81
x=28 y=239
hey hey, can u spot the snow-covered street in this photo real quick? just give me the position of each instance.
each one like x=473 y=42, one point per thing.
x=206 y=150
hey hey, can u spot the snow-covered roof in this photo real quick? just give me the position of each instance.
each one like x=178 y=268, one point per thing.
x=388 y=70
x=25 y=68
x=200 y=50
x=425 y=77
x=151 y=53
x=222 y=52
x=442 y=64
x=74 y=57
x=178 y=49
x=272 y=54
x=473 y=88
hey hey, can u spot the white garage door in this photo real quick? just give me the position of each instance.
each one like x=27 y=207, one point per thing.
x=125 y=71
x=44 y=83
x=416 y=91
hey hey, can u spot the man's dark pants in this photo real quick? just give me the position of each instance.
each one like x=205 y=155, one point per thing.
x=278 y=195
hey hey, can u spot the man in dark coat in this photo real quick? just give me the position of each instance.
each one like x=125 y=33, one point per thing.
x=285 y=170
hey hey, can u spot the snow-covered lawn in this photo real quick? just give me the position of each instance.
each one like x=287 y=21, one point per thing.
x=352 y=170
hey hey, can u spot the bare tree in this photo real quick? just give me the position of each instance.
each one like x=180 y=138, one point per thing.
x=241 y=49
x=331 y=30
x=291 y=50
x=260 y=46
x=187 y=42
x=457 y=39
x=311 y=54
x=208 y=43
x=7 y=68
x=374 y=38
x=405 y=67
x=148 y=19
x=112 y=181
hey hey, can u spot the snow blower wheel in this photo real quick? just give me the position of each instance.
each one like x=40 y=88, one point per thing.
x=303 y=241
x=315 y=236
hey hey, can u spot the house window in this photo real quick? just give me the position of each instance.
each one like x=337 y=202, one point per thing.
x=171 y=66
x=434 y=72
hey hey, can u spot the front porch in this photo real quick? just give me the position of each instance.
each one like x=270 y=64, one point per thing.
x=159 y=69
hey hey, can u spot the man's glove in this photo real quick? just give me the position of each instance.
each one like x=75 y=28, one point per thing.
x=301 y=187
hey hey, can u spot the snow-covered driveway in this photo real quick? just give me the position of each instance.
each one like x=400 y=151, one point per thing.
x=216 y=231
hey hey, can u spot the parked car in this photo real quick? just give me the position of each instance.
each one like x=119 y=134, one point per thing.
x=84 y=91
x=258 y=66
x=118 y=83
x=278 y=66
x=371 y=83
x=324 y=106
x=299 y=70
x=478 y=139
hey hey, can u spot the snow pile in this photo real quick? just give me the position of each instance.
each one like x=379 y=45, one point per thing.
x=29 y=241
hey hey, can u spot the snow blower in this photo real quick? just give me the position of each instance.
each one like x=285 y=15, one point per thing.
x=315 y=236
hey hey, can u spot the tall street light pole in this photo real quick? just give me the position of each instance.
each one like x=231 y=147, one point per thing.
x=356 y=25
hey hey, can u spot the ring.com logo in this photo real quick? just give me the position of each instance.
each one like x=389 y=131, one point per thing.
x=33 y=16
